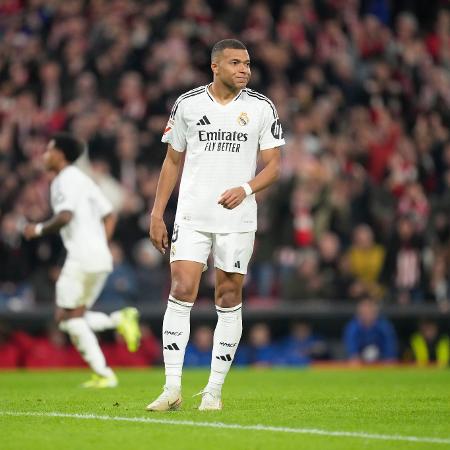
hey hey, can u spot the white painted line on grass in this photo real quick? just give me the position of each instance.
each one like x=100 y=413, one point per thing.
x=233 y=426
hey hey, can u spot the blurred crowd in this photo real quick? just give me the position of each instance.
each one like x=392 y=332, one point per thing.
x=362 y=88
x=368 y=339
x=51 y=348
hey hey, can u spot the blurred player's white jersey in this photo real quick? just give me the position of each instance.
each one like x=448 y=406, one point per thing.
x=221 y=144
x=84 y=236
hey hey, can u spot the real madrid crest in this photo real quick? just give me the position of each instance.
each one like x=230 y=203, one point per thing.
x=243 y=119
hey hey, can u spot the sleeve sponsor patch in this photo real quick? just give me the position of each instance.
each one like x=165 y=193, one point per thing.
x=276 y=129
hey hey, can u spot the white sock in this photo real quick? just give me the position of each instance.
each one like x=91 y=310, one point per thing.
x=176 y=329
x=84 y=339
x=226 y=340
x=99 y=321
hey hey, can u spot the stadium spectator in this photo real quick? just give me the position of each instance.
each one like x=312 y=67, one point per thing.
x=9 y=352
x=440 y=281
x=198 y=350
x=306 y=282
x=15 y=259
x=414 y=204
x=121 y=288
x=368 y=337
x=329 y=247
x=152 y=279
x=429 y=346
x=259 y=350
x=403 y=271
x=348 y=286
x=366 y=259
x=302 y=346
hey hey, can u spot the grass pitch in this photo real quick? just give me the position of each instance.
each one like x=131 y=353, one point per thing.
x=310 y=409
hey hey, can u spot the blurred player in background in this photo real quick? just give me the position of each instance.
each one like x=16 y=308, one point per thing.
x=222 y=127
x=85 y=219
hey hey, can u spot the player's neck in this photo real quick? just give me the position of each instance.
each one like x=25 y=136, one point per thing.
x=61 y=167
x=222 y=94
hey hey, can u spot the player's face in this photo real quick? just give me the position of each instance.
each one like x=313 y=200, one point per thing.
x=51 y=156
x=232 y=68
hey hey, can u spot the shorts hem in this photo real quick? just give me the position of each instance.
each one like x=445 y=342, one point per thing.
x=241 y=271
x=187 y=259
x=200 y=229
x=205 y=265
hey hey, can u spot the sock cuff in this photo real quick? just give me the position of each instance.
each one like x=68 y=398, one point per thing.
x=173 y=301
x=221 y=310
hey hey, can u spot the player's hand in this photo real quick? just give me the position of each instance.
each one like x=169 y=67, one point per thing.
x=232 y=197
x=29 y=231
x=158 y=234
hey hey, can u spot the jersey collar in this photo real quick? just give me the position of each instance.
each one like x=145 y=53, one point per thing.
x=215 y=101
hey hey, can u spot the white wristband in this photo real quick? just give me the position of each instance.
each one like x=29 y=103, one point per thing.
x=247 y=189
x=38 y=228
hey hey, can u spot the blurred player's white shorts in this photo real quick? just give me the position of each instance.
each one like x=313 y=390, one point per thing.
x=76 y=287
x=231 y=251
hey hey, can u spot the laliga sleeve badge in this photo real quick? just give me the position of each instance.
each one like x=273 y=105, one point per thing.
x=169 y=126
x=172 y=250
x=243 y=119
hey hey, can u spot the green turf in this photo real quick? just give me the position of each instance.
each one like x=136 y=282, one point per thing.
x=403 y=402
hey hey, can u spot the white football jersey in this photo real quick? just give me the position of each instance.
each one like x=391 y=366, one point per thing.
x=221 y=144
x=84 y=236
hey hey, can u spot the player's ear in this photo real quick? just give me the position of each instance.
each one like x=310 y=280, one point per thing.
x=214 y=67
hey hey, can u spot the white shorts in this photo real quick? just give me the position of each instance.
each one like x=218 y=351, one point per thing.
x=76 y=288
x=231 y=251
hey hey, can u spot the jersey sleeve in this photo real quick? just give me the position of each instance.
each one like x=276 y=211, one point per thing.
x=64 y=194
x=271 y=134
x=176 y=128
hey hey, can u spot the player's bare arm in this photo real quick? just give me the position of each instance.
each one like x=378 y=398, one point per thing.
x=268 y=175
x=166 y=183
x=53 y=225
x=109 y=222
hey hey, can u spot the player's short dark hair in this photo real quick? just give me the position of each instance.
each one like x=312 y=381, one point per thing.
x=70 y=146
x=226 y=43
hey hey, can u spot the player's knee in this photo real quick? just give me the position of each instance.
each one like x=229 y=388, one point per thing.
x=72 y=326
x=183 y=289
x=62 y=314
x=228 y=295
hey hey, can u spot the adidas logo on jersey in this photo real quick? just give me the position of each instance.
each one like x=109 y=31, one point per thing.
x=204 y=121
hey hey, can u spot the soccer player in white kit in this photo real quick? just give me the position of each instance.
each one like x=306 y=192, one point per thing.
x=85 y=220
x=223 y=128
